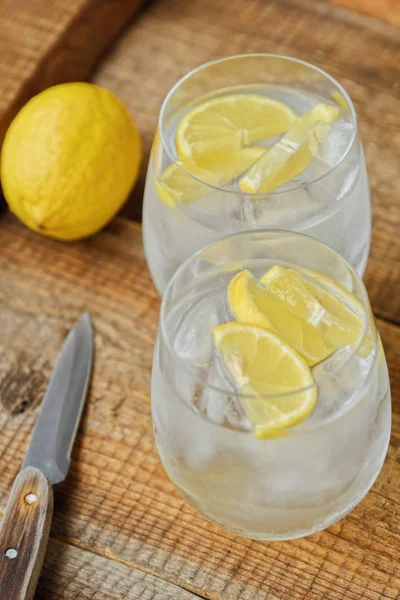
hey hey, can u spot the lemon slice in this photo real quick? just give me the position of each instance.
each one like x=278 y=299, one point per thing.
x=253 y=304
x=182 y=182
x=265 y=368
x=293 y=153
x=229 y=122
x=331 y=309
x=175 y=185
x=341 y=303
x=340 y=100
x=332 y=296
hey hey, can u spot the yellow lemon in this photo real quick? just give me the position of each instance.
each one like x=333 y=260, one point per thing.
x=181 y=183
x=69 y=160
x=253 y=304
x=229 y=123
x=336 y=323
x=341 y=320
x=293 y=153
x=270 y=374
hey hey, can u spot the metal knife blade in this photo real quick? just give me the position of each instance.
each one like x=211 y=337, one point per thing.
x=62 y=405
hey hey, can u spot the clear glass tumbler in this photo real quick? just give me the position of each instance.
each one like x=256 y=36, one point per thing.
x=191 y=202
x=294 y=484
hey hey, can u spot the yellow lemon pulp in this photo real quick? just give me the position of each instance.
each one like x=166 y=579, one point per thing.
x=340 y=100
x=292 y=154
x=184 y=182
x=268 y=372
x=337 y=324
x=69 y=160
x=229 y=123
x=253 y=304
x=345 y=308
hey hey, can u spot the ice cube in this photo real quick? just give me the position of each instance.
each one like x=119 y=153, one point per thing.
x=218 y=210
x=193 y=333
x=327 y=155
x=335 y=143
x=220 y=401
x=340 y=378
x=281 y=211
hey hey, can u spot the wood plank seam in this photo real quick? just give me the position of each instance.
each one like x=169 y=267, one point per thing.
x=93 y=577
x=133 y=565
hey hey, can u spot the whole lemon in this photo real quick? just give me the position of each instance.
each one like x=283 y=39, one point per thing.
x=69 y=160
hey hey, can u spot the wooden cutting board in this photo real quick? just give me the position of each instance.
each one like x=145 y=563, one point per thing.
x=121 y=530
x=43 y=43
x=387 y=10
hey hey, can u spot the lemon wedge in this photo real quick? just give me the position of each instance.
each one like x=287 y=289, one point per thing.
x=343 y=305
x=228 y=123
x=328 y=311
x=340 y=100
x=264 y=368
x=331 y=295
x=292 y=154
x=253 y=304
x=184 y=182
x=339 y=326
x=176 y=186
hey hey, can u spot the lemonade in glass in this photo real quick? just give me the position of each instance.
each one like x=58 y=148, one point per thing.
x=270 y=391
x=255 y=141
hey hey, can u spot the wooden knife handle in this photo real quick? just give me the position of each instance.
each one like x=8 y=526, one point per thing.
x=24 y=534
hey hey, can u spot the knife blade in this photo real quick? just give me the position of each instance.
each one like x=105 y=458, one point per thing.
x=26 y=524
x=62 y=405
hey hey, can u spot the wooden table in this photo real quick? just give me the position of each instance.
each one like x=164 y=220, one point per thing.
x=121 y=530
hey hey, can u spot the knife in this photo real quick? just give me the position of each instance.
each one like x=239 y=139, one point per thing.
x=26 y=525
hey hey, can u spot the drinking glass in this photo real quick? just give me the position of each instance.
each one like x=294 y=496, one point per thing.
x=282 y=487
x=329 y=200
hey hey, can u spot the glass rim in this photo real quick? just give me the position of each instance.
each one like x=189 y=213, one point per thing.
x=288 y=58
x=316 y=383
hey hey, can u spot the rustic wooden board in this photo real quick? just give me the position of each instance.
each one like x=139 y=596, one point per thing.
x=43 y=43
x=121 y=530
x=70 y=572
x=117 y=502
x=387 y=10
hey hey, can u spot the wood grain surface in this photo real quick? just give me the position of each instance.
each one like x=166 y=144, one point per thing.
x=117 y=502
x=387 y=10
x=43 y=43
x=121 y=530
x=70 y=572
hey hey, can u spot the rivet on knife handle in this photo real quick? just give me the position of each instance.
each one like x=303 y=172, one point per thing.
x=24 y=534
